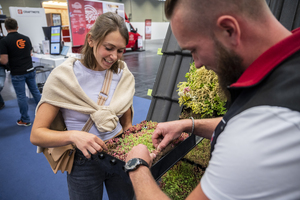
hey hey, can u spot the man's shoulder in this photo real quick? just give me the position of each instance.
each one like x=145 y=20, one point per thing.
x=16 y=35
x=23 y=36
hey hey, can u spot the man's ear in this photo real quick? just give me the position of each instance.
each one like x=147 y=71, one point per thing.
x=229 y=30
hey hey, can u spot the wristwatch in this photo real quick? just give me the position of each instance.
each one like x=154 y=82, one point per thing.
x=134 y=163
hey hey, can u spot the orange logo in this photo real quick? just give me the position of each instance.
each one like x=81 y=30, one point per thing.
x=20 y=11
x=20 y=43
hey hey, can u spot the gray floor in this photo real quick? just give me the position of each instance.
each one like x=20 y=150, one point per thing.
x=143 y=64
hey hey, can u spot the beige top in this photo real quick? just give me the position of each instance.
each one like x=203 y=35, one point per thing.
x=63 y=90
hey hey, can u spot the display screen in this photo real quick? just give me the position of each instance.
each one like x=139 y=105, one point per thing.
x=64 y=51
x=55 y=34
x=56 y=19
x=47 y=32
x=55 y=48
x=55 y=40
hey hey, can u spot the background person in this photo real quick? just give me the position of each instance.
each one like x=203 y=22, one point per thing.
x=255 y=146
x=72 y=89
x=2 y=78
x=2 y=81
x=16 y=49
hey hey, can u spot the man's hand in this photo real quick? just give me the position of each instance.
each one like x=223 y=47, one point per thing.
x=4 y=59
x=141 y=151
x=166 y=132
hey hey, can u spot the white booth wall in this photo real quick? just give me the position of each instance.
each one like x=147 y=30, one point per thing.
x=30 y=22
x=158 y=29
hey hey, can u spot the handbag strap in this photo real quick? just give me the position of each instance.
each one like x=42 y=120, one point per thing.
x=102 y=97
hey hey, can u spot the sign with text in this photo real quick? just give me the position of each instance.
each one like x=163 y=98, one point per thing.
x=92 y=10
x=77 y=21
x=140 y=41
x=114 y=7
x=148 y=29
x=83 y=14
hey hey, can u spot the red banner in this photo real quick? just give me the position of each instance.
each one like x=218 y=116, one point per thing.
x=83 y=15
x=77 y=21
x=147 y=29
x=92 y=10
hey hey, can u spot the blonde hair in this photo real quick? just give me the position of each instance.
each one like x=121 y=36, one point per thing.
x=104 y=24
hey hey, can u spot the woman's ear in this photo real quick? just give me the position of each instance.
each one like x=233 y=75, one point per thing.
x=90 y=41
x=229 y=30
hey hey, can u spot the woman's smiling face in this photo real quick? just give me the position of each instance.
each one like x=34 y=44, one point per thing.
x=109 y=51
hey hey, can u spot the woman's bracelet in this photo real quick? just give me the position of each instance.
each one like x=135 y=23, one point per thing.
x=193 y=126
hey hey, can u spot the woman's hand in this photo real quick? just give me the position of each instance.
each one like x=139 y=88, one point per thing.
x=87 y=143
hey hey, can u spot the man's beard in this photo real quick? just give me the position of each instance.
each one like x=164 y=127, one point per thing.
x=229 y=67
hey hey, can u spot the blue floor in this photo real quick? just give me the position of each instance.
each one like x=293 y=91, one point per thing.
x=24 y=174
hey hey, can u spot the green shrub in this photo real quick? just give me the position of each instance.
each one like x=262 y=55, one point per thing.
x=202 y=98
x=201 y=93
x=180 y=180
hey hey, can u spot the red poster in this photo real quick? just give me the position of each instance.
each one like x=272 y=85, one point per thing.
x=92 y=10
x=147 y=29
x=77 y=21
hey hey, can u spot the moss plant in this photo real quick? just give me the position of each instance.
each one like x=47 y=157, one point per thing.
x=180 y=180
x=201 y=98
x=200 y=154
x=201 y=93
x=138 y=134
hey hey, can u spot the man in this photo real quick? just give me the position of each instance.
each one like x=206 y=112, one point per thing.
x=255 y=146
x=16 y=49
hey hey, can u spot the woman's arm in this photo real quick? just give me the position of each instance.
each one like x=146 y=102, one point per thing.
x=42 y=135
x=126 y=120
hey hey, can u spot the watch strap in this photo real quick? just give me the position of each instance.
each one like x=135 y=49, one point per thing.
x=140 y=162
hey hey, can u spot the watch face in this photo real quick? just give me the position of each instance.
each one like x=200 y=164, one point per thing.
x=131 y=164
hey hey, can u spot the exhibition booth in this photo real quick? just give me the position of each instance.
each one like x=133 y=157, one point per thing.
x=59 y=24
x=58 y=29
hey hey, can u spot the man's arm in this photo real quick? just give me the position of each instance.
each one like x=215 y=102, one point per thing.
x=144 y=185
x=3 y=59
x=168 y=131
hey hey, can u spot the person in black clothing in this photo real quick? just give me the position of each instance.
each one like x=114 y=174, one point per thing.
x=16 y=49
x=2 y=80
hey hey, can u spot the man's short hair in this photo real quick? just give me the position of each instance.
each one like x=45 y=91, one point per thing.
x=169 y=7
x=11 y=24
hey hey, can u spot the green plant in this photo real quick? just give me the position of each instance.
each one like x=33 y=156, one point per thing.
x=201 y=93
x=139 y=134
x=202 y=98
x=200 y=154
x=180 y=180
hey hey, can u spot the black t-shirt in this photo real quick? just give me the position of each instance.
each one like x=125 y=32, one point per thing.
x=4 y=66
x=18 y=48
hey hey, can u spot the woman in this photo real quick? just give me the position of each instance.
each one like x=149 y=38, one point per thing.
x=72 y=90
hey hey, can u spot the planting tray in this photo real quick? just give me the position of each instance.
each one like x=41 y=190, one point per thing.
x=161 y=166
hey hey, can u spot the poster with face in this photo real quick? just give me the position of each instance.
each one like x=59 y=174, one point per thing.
x=114 y=7
x=77 y=21
x=92 y=10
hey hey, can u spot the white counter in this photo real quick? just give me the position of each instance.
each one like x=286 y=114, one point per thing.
x=47 y=60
